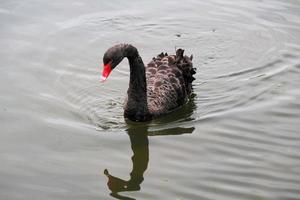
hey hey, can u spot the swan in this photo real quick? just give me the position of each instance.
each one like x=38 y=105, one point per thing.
x=156 y=89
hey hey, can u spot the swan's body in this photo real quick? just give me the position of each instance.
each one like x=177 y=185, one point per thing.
x=159 y=88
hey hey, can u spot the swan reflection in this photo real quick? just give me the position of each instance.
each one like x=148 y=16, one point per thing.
x=140 y=147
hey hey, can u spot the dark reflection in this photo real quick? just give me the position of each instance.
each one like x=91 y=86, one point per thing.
x=138 y=134
x=139 y=145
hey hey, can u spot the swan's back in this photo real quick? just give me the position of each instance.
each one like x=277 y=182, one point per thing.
x=169 y=82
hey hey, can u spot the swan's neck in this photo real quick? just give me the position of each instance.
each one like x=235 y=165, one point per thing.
x=136 y=108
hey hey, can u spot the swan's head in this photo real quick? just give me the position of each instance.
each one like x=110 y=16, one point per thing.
x=112 y=57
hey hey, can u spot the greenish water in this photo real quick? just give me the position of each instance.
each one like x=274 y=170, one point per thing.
x=63 y=135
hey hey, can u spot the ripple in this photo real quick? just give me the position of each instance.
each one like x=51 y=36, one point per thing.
x=257 y=70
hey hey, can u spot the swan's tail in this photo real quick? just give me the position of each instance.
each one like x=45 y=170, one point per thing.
x=185 y=64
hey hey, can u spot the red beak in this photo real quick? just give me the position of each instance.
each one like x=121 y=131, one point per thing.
x=106 y=71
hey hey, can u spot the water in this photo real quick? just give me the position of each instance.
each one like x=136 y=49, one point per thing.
x=63 y=135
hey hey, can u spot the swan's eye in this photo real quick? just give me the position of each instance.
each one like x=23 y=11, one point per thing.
x=105 y=61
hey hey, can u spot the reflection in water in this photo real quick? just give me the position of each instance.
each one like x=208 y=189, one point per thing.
x=138 y=134
x=140 y=146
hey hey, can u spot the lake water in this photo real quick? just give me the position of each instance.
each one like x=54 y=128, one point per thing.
x=63 y=135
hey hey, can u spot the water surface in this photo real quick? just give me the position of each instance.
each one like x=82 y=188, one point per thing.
x=63 y=135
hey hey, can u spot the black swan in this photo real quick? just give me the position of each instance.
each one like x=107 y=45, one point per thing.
x=159 y=88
